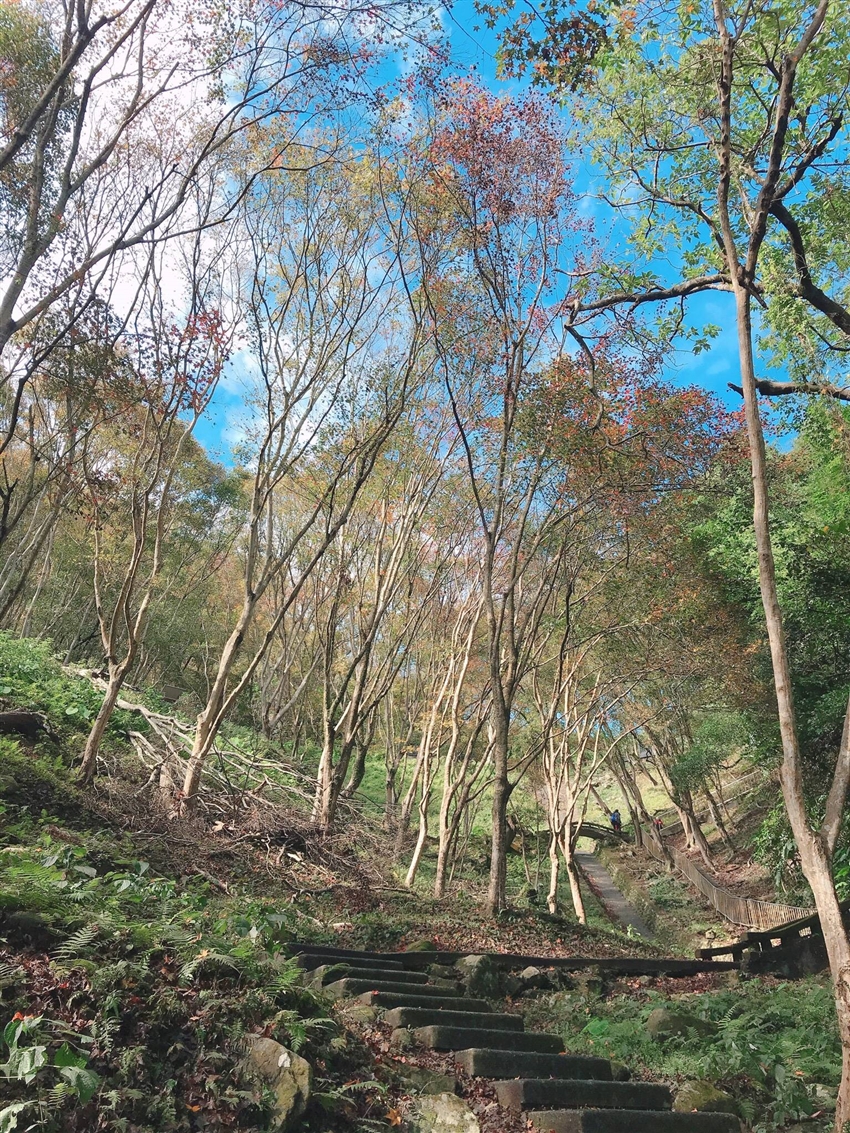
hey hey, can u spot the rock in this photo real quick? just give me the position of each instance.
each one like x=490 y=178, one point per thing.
x=421 y=946
x=620 y=1072
x=429 y=1081
x=401 y=1039
x=480 y=976
x=326 y=974
x=289 y=1077
x=590 y=984
x=535 y=978
x=824 y=1097
x=512 y=986
x=360 y=1013
x=442 y=972
x=703 y=1097
x=664 y=1024
x=443 y=1113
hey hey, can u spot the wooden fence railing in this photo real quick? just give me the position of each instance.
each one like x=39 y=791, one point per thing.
x=739 y=910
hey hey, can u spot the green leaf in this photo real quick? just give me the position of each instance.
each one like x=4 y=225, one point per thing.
x=81 y=1079
x=67 y=1056
x=9 y=1116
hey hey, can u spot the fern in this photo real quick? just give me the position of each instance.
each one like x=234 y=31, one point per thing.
x=106 y=1031
x=77 y=944
x=297 y=1030
x=177 y=938
x=207 y=959
x=10 y=974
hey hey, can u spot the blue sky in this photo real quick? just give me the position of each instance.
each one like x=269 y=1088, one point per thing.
x=473 y=48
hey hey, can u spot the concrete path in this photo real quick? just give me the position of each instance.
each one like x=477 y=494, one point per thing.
x=615 y=903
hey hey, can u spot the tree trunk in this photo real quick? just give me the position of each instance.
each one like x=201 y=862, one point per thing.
x=408 y=801
x=207 y=721
x=575 y=884
x=446 y=831
x=390 y=796
x=814 y=857
x=554 y=873
x=717 y=818
x=501 y=798
x=419 y=849
x=113 y=689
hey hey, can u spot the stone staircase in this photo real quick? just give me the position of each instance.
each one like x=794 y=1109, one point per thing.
x=557 y=1092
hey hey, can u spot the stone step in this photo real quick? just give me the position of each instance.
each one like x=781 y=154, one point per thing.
x=331 y=973
x=313 y=960
x=630 y=1121
x=441 y=1037
x=389 y=999
x=483 y=1063
x=414 y=1017
x=549 y=1093
x=353 y=985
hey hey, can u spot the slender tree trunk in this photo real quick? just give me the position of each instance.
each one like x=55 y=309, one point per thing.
x=110 y=699
x=407 y=803
x=447 y=829
x=554 y=873
x=501 y=797
x=419 y=849
x=814 y=856
x=717 y=818
x=573 y=875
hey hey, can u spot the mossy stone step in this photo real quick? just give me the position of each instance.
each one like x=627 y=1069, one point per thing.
x=630 y=1121
x=313 y=961
x=354 y=985
x=483 y=1063
x=332 y=973
x=443 y=1037
x=549 y=1093
x=389 y=999
x=423 y=1016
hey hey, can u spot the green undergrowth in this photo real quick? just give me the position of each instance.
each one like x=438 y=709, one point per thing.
x=127 y=993
x=31 y=678
x=770 y=1043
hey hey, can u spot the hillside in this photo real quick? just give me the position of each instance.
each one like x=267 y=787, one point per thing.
x=139 y=952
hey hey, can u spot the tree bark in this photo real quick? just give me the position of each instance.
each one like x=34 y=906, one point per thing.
x=104 y=715
x=554 y=873
x=814 y=854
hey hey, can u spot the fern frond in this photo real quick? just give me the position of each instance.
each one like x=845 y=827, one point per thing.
x=10 y=974
x=208 y=959
x=77 y=943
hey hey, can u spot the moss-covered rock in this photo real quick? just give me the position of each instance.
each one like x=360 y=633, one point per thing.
x=443 y=1113
x=288 y=1076
x=421 y=946
x=703 y=1097
x=664 y=1024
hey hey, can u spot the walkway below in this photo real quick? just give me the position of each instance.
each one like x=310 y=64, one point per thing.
x=615 y=904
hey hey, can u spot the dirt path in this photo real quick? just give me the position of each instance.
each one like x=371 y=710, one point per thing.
x=612 y=899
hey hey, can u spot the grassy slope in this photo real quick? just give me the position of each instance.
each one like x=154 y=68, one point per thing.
x=143 y=952
x=136 y=953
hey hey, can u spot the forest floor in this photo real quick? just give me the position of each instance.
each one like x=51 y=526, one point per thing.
x=147 y=954
x=136 y=953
